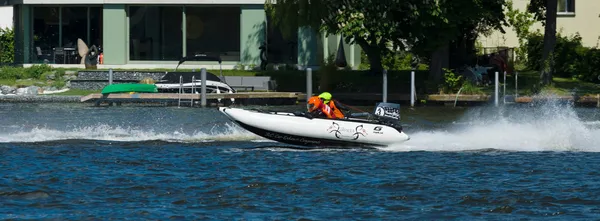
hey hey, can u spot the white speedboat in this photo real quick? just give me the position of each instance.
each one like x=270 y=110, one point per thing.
x=298 y=129
x=191 y=82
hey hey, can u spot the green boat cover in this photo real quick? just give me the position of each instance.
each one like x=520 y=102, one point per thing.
x=131 y=87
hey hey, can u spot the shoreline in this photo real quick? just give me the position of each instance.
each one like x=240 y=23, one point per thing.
x=40 y=99
x=430 y=100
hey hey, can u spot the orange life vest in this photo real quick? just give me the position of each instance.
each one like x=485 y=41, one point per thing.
x=336 y=111
x=327 y=111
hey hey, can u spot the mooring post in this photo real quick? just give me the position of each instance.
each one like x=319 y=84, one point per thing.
x=193 y=90
x=110 y=76
x=180 y=90
x=504 y=89
x=308 y=83
x=412 y=88
x=516 y=84
x=496 y=90
x=203 y=87
x=385 y=86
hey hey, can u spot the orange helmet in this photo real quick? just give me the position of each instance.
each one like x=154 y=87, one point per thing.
x=313 y=103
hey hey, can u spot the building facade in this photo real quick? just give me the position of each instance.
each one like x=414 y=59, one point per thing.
x=573 y=17
x=157 y=33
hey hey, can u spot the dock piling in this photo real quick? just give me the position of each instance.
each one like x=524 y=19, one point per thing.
x=385 y=86
x=203 y=87
x=516 y=84
x=308 y=83
x=496 y=90
x=180 y=90
x=504 y=89
x=193 y=90
x=412 y=88
x=110 y=76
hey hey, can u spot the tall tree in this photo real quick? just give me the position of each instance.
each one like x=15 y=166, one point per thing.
x=377 y=26
x=369 y=23
x=457 y=23
x=545 y=11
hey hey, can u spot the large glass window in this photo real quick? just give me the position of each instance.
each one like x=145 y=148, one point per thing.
x=155 y=33
x=213 y=30
x=45 y=32
x=96 y=18
x=56 y=30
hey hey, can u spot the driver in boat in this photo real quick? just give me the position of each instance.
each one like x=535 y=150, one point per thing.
x=336 y=106
x=316 y=107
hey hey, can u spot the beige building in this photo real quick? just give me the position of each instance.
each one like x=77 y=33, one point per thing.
x=582 y=17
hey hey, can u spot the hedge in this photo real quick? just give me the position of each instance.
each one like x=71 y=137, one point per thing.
x=347 y=81
x=571 y=58
x=7 y=45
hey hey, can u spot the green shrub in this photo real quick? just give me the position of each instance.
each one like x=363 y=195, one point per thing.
x=470 y=88
x=9 y=72
x=588 y=66
x=452 y=82
x=568 y=52
x=37 y=71
x=7 y=45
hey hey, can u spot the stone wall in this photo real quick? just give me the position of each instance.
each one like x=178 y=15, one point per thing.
x=96 y=80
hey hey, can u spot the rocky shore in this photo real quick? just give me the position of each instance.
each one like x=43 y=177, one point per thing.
x=34 y=94
x=39 y=99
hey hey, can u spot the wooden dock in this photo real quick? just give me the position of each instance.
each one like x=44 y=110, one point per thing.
x=245 y=98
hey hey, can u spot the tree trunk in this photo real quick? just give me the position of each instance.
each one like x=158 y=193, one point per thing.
x=373 y=54
x=549 y=42
x=439 y=59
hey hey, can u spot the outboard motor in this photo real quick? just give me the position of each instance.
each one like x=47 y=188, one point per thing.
x=388 y=114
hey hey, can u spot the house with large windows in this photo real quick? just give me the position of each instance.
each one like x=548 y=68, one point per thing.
x=581 y=16
x=157 y=33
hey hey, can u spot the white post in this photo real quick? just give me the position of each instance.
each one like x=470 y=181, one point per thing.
x=308 y=83
x=412 y=88
x=193 y=90
x=110 y=76
x=516 y=84
x=203 y=87
x=385 y=86
x=504 y=89
x=496 y=90
x=180 y=90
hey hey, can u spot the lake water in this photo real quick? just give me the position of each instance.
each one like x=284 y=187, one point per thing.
x=77 y=162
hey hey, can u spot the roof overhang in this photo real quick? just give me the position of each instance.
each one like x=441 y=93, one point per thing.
x=145 y=2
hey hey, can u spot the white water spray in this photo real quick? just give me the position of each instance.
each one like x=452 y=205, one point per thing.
x=548 y=127
x=230 y=132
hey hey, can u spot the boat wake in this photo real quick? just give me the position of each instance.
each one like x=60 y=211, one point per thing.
x=103 y=132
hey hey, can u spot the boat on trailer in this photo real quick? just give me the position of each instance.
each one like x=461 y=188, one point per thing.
x=299 y=128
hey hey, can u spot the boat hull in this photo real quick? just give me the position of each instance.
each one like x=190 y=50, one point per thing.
x=130 y=87
x=299 y=130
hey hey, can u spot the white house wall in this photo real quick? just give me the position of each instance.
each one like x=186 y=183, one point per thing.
x=585 y=20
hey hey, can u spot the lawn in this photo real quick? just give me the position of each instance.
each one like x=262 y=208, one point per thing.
x=77 y=92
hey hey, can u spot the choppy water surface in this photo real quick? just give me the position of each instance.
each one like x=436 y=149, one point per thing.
x=75 y=162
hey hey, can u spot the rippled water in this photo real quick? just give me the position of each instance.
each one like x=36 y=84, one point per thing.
x=75 y=162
